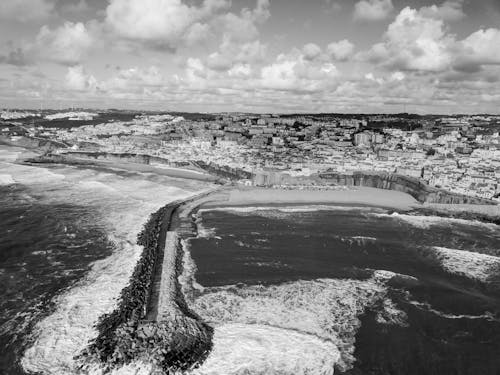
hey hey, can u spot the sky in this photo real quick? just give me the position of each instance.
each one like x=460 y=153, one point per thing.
x=274 y=56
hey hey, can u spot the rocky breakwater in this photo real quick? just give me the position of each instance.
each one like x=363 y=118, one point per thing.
x=178 y=340
x=412 y=186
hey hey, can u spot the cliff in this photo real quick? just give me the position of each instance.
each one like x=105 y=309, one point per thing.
x=412 y=186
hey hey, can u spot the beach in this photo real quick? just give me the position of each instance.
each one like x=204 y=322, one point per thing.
x=363 y=196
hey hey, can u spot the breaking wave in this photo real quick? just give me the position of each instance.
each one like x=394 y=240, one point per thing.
x=475 y=266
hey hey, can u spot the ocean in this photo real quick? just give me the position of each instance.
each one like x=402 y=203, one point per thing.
x=67 y=248
x=314 y=290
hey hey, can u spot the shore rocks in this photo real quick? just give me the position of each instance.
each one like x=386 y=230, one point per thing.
x=178 y=343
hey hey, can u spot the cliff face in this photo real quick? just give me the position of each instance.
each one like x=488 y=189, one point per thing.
x=414 y=187
x=31 y=143
x=135 y=158
x=223 y=171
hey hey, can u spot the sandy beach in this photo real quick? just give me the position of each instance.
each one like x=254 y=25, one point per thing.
x=349 y=196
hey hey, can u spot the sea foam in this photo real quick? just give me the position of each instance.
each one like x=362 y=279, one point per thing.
x=325 y=312
x=262 y=349
x=476 y=266
x=6 y=179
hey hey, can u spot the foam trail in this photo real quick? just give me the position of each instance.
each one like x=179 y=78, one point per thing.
x=428 y=307
x=426 y=222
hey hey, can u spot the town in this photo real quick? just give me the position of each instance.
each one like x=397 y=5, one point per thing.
x=460 y=154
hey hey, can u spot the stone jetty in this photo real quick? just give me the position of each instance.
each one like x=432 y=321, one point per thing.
x=152 y=322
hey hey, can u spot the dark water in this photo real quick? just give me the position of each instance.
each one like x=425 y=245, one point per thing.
x=275 y=247
x=44 y=249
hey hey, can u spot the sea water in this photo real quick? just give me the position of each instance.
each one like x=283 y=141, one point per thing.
x=357 y=290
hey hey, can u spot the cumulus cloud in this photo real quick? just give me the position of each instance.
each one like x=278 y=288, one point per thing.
x=419 y=40
x=25 y=10
x=243 y=27
x=477 y=50
x=162 y=23
x=311 y=51
x=482 y=46
x=373 y=10
x=294 y=72
x=79 y=80
x=414 y=42
x=341 y=50
x=450 y=10
x=66 y=44
x=240 y=38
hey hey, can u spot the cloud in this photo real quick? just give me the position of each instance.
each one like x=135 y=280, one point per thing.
x=242 y=27
x=311 y=51
x=15 y=57
x=333 y=5
x=25 y=10
x=294 y=72
x=373 y=10
x=78 y=79
x=479 y=48
x=413 y=42
x=341 y=50
x=240 y=38
x=66 y=44
x=162 y=23
x=135 y=81
x=419 y=40
x=450 y=10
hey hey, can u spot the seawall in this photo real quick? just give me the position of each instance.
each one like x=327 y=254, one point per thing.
x=412 y=186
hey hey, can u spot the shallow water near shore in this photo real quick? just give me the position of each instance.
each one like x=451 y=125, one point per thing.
x=315 y=273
